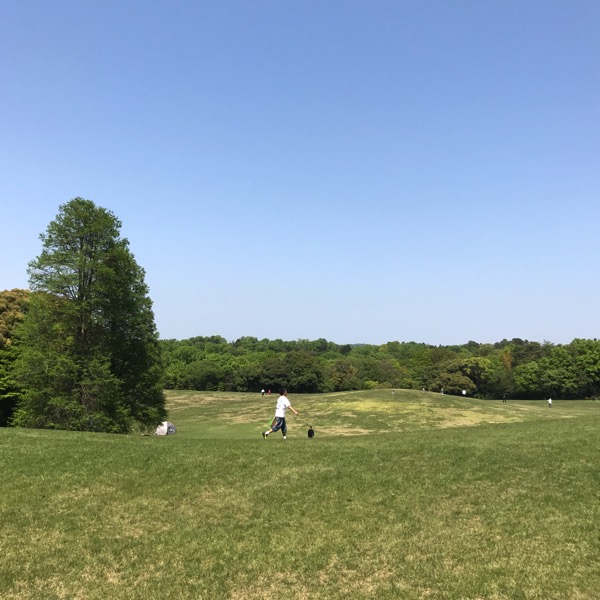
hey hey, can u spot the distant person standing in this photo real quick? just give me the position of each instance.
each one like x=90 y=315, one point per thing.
x=549 y=402
x=262 y=392
x=282 y=405
x=504 y=398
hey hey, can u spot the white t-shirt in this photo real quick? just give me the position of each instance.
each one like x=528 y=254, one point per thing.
x=282 y=404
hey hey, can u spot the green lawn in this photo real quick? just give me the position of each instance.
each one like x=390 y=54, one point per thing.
x=412 y=495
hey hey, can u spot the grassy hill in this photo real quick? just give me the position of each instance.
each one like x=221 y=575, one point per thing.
x=236 y=415
x=411 y=495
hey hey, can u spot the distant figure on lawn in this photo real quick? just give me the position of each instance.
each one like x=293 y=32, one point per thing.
x=311 y=432
x=282 y=405
x=504 y=398
x=262 y=392
x=549 y=402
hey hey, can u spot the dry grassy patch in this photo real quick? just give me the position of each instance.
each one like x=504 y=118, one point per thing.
x=181 y=400
x=451 y=417
x=346 y=430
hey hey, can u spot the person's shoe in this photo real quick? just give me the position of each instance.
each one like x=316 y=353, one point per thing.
x=264 y=435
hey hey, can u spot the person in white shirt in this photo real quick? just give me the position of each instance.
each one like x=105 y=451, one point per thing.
x=282 y=405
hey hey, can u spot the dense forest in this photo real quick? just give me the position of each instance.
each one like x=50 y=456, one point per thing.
x=513 y=368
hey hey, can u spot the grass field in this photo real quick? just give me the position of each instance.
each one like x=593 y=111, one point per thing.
x=412 y=495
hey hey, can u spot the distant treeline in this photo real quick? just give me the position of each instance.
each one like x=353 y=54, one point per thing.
x=512 y=368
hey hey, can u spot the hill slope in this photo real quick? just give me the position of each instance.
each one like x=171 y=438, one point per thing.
x=495 y=511
x=239 y=415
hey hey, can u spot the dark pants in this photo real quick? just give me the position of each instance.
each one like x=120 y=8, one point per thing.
x=280 y=424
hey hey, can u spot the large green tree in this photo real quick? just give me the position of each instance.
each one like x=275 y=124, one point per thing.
x=13 y=306
x=89 y=353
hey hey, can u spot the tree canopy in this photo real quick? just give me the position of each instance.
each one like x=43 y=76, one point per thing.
x=515 y=368
x=89 y=356
x=13 y=306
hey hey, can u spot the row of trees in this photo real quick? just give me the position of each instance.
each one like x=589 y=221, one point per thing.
x=81 y=351
x=515 y=368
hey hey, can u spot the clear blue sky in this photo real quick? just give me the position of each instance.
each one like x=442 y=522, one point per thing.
x=361 y=171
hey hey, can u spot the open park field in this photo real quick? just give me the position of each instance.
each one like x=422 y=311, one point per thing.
x=404 y=496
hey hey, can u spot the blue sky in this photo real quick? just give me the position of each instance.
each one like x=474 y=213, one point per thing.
x=361 y=171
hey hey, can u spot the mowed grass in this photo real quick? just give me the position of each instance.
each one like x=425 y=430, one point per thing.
x=227 y=415
x=413 y=495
